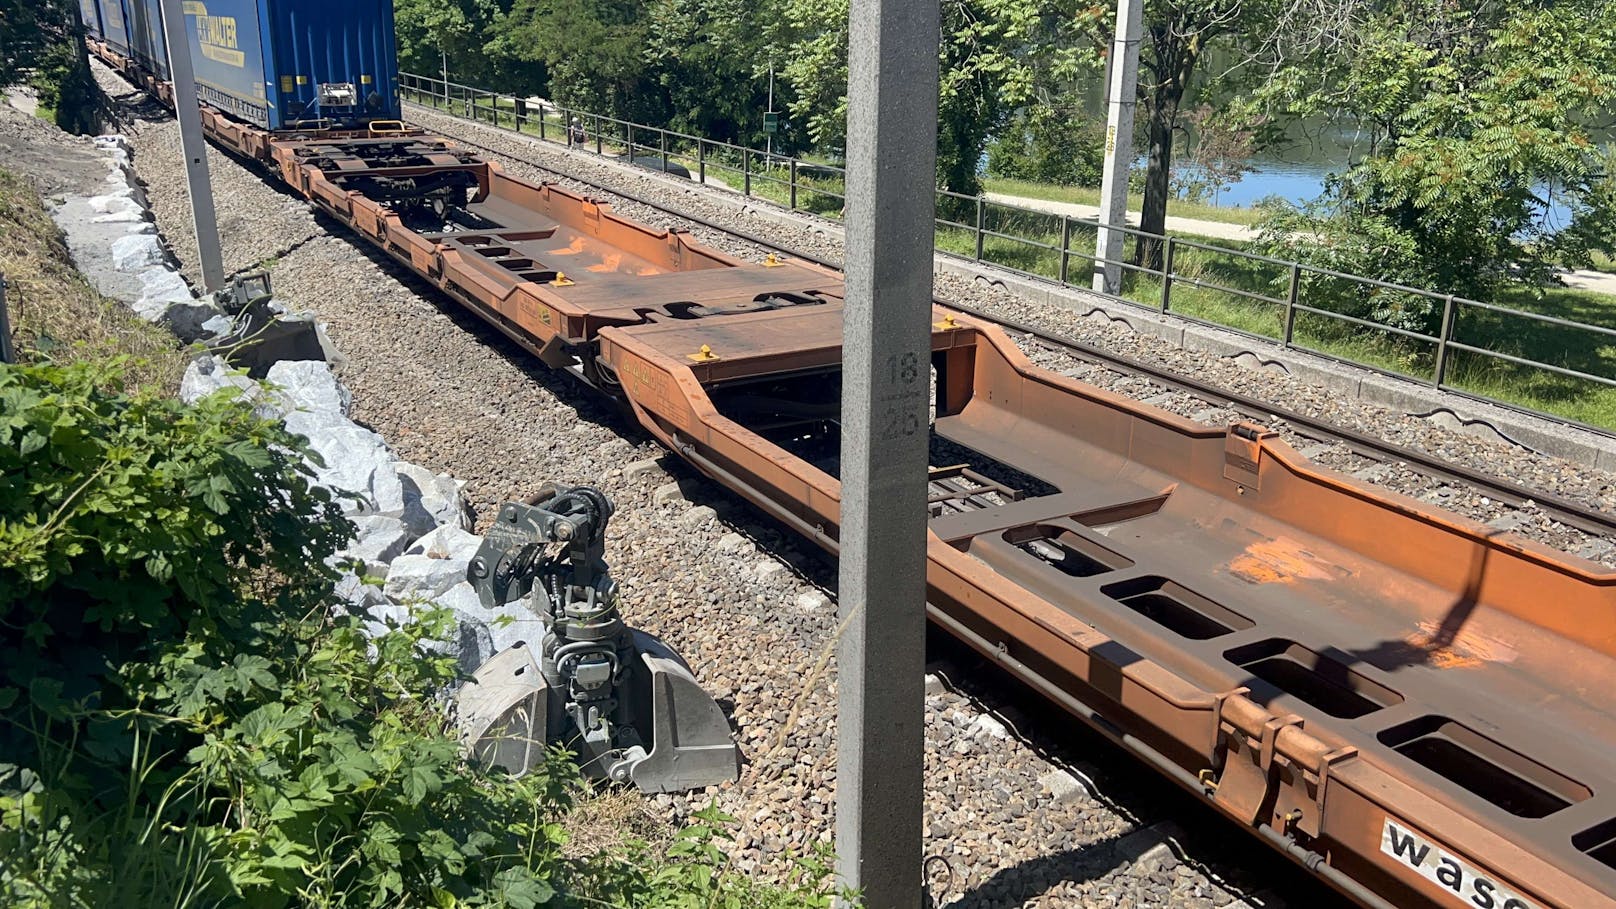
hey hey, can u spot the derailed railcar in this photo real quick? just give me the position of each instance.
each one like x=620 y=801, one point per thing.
x=295 y=64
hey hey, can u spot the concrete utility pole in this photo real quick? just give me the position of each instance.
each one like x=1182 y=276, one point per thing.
x=1122 y=91
x=194 y=146
x=886 y=363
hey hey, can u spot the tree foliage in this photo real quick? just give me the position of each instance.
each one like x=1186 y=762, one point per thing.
x=1481 y=165
x=594 y=52
x=992 y=54
x=1179 y=36
x=1049 y=146
x=432 y=32
x=712 y=63
x=42 y=42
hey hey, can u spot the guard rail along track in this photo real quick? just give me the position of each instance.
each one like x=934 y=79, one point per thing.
x=1414 y=706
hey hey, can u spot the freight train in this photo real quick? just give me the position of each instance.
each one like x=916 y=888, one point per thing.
x=274 y=64
x=1419 y=709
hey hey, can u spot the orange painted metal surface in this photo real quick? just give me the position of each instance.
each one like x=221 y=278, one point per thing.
x=1422 y=706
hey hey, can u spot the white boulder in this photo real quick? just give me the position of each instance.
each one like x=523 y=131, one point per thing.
x=421 y=577
x=446 y=542
x=208 y=374
x=482 y=632
x=116 y=202
x=377 y=538
x=161 y=285
x=119 y=217
x=432 y=499
x=358 y=595
x=135 y=252
x=309 y=385
x=356 y=459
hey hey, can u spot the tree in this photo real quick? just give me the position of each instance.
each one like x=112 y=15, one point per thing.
x=1221 y=155
x=711 y=60
x=1053 y=137
x=1048 y=144
x=814 y=35
x=435 y=34
x=42 y=41
x=24 y=29
x=1481 y=163
x=1178 y=37
x=989 y=53
x=594 y=53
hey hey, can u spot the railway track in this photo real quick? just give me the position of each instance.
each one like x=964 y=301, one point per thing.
x=1305 y=428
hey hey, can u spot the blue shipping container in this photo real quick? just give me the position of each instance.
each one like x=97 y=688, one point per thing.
x=90 y=13
x=146 y=39
x=281 y=63
x=115 y=25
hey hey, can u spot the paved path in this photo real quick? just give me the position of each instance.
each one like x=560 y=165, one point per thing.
x=1219 y=229
x=23 y=99
x=1596 y=281
x=1582 y=279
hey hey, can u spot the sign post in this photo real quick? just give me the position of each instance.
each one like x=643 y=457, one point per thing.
x=193 y=145
x=886 y=363
x=1121 y=99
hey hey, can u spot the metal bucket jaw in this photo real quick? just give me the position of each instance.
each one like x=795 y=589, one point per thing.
x=508 y=716
x=691 y=745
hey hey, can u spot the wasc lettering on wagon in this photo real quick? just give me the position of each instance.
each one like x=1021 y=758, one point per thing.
x=1470 y=887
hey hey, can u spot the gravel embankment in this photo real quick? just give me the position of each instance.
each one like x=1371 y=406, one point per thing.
x=1552 y=475
x=745 y=604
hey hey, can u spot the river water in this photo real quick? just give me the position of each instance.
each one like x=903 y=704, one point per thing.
x=1293 y=169
x=1296 y=168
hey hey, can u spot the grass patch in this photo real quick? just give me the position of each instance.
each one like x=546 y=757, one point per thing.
x=1087 y=195
x=55 y=314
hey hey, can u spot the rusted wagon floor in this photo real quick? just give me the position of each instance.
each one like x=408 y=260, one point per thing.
x=1464 y=698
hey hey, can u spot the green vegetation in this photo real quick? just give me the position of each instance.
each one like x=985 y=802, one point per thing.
x=1472 y=114
x=1212 y=281
x=188 y=715
x=42 y=42
x=55 y=314
x=187 y=719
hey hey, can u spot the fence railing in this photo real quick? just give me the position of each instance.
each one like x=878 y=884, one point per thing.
x=1471 y=348
x=7 y=354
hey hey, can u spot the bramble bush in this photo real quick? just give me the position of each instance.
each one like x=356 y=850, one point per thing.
x=186 y=719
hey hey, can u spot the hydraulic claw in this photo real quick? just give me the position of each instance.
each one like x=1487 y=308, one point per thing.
x=619 y=698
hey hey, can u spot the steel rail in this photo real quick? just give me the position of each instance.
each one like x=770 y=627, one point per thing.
x=1572 y=514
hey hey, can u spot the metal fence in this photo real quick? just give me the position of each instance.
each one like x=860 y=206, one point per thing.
x=7 y=353
x=1471 y=348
